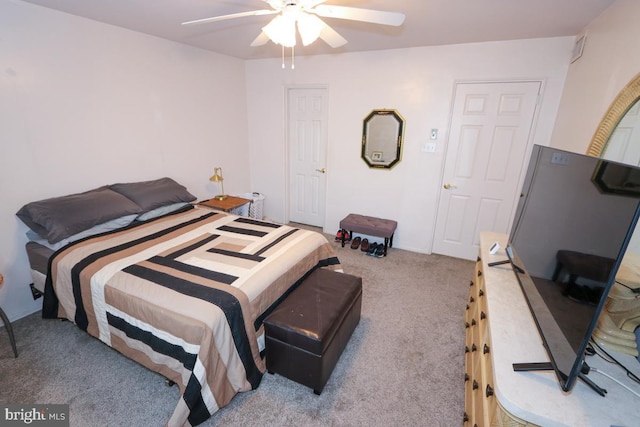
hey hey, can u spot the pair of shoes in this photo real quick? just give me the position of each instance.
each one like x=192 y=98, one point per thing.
x=372 y=249
x=376 y=250
x=364 y=246
x=342 y=234
x=356 y=242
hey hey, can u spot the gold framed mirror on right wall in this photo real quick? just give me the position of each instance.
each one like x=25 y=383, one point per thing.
x=617 y=138
x=618 y=134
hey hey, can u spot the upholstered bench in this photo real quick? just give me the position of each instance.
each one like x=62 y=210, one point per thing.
x=307 y=332
x=371 y=226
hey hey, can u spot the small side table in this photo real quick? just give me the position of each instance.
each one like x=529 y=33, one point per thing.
x=8 y=326
x=227 y=204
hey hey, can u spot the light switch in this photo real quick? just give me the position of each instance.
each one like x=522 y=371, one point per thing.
x=434 y=134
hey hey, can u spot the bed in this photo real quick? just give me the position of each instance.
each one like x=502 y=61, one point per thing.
x=179 y=288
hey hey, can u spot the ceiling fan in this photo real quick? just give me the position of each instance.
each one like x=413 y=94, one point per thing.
x=305 y=14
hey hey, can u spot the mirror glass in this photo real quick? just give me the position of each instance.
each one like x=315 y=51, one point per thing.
x=617 y=138
x=382 y=133
x=624 y=142
x=618 y=134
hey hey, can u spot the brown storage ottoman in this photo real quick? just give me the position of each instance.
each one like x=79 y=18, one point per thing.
x=307 y=332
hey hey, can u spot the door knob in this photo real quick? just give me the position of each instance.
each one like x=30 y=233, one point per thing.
x=320 y=170
x=447 y=186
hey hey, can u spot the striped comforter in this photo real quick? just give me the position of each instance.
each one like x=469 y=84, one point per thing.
x=185 y=295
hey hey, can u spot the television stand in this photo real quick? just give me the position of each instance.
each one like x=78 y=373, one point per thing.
x=547 y=366
x=500 y=330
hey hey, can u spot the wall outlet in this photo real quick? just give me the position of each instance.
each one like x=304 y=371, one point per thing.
x=434 y=133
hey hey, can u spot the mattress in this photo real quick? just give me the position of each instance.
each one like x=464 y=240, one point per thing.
x=38 y=261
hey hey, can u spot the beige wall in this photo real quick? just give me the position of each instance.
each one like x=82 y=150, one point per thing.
x=419 y=83
x=610 y=59
x=83 y=104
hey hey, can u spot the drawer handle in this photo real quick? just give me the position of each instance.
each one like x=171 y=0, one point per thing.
x=466 y=377
x=489 y=391
x=481 y=292
x=479 y=273
x=467 y=307
x=478 y=259
x=475 y=385
x=465 y=418
x=471 y=299
x=485 y=349
x=470 y=283
x=466 y=325
x=482 y=315
x=473 y=347
x=473 y=322
x=466 y=349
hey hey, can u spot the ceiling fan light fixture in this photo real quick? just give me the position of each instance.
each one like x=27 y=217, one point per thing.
x=309 y=27
x=282 y=30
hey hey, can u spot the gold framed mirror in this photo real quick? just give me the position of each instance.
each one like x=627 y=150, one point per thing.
x=382 y=135
x=628 y=100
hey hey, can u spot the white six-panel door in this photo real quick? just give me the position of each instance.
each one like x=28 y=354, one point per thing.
x=489 y=137
x=307 y=129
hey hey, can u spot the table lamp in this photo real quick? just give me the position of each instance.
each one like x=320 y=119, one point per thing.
x=217 y=177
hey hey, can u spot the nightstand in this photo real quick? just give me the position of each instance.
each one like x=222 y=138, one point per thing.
x=227 y=204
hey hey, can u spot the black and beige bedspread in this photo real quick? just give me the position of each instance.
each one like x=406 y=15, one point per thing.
x=185 y=295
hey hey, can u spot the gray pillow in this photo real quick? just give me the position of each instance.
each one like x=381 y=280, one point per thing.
x=57 y=218
x=150 y=195
x=110 y=225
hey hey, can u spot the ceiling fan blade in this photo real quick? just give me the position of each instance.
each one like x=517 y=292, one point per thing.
x=357 y=14
x=331 y=36
x=262 y=39
x=231 y=16
x=312 y=3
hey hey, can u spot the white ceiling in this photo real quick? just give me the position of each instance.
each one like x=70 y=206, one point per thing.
x=428 y=22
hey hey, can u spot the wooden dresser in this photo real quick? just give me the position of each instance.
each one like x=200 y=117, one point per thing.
x=500 y=331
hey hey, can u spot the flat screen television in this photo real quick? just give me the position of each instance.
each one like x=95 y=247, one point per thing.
x=580 y=212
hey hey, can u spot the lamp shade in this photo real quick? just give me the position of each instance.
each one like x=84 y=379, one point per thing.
x=282 y=29
x=309 y=27
x=217 y=177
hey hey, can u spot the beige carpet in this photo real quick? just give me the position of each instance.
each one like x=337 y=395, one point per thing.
x=403 y=365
